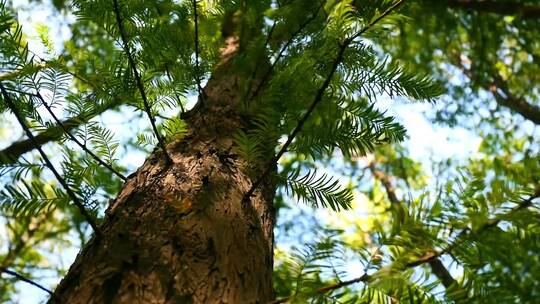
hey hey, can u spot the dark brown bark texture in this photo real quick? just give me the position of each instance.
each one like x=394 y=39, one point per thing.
x=182 y=233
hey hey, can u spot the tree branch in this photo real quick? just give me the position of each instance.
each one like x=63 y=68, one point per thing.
x=514 y=103
x=24 y=72
x=178 y=100
x=442 y=273
x=301 y=122
x=437 y=267
x=80 y=144
x=466 y=232
x=138 y=80
x=10 y=154
x=363 y=278
x=48 y=163
x=525 y=11
x=283 y=49
x=503 y=96
x=20 y=277
x=429 y=257
x=256 y=69
x=318 y=97
x=390 y=191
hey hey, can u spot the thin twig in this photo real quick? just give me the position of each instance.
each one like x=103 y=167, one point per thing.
x=138 y=79
x=15 y=150
x=318 y=97
x=284 y=48
x=20 y=277
x=376 y=20
x=48 y=163
x=365 y=277
x=466 y=232
x=427 y=257
x=74 y=139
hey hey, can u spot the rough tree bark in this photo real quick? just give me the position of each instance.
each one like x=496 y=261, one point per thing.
x=182 y=233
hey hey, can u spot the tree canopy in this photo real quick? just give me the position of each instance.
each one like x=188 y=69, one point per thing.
x=324 y=91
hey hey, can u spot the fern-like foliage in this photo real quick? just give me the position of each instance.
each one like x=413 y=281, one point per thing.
x=388 y=77
x=36 y=84
x=30 y=198
x=249 y=147
x=318 y=190
x=352 y=126
x=174 y=127
x=305 y=269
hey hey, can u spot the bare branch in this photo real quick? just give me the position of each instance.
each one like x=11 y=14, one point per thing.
x=14 y=151
x=514 y=103
x=138 y=80
x=442 y=273
x=504 y=97
x=20 y=277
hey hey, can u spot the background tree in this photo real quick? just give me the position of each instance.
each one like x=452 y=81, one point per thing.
x=288 y=109
x=489 y=44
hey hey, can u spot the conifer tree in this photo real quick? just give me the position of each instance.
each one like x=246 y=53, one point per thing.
x=281 y=88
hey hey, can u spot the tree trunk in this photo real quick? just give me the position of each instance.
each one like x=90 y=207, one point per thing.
x=182 y=233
